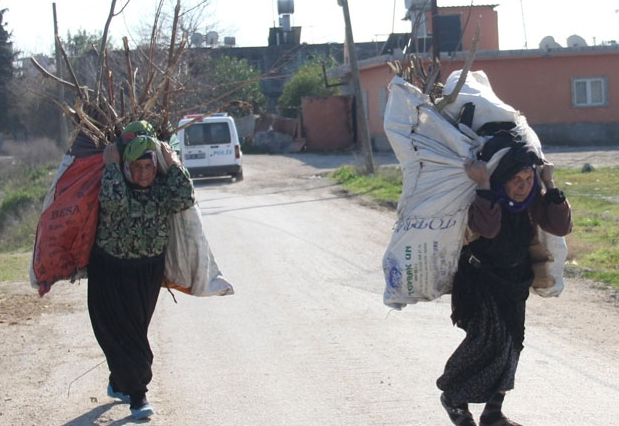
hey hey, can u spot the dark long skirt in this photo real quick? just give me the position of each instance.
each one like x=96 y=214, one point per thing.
x=491 y=310
x=484 y=363
x=122 y=295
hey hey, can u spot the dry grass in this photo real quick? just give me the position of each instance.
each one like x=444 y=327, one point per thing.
x=33 y=153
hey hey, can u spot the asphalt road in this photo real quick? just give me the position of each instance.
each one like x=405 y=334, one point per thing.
x=305 y=340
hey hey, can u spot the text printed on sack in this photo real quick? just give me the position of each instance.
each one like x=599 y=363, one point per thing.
x=434 y=224
x=418 y=269
x=66 y=211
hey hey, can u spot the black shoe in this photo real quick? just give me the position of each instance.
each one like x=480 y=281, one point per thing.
x=498 y=421
x=140 y=408
x=460 y=416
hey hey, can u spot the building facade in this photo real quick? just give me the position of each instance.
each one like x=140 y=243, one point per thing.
x=570 y=95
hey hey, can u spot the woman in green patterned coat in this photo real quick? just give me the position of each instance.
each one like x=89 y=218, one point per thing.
x=126 y=267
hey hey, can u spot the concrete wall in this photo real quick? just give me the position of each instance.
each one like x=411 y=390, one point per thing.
x=328 y=122
x=579 y=134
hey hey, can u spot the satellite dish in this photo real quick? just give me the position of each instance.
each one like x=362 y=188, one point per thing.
x=197 y=39
x=576 y=41
x=212 y=38
x=548 y=43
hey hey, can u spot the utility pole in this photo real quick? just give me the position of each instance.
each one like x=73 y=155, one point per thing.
x=362 y=124
x=436 y=40
x=63 y=134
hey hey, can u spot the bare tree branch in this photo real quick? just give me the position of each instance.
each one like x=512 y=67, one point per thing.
x=55 y=78
x=82 y=94
x=130 y=76
x=98 y=81
x=465 y=70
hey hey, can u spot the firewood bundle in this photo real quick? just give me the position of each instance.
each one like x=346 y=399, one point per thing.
x=103 y=111
x=427 y=78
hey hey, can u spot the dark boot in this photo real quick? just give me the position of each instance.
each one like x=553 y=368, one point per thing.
x=458 y=414
x=493 y=414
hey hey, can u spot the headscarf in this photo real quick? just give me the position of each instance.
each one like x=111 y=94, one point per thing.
x=139 y=148
x=521 y=156
x=132 y=131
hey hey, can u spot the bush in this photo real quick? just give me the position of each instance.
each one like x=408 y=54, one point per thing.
x=25 y=178
x=16 y=203
x=33 y=153
x=308 y=81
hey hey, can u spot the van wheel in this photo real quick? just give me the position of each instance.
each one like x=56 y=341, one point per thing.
x=238 y=175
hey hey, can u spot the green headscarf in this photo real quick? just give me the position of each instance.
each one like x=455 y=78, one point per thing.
x=138 y=128
x=138 y=147
x=132 y=131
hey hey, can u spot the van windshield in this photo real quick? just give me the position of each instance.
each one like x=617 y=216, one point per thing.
x=207 y=134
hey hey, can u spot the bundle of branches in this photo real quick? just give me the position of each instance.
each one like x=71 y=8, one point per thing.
x=99 y=113
x=427 y=77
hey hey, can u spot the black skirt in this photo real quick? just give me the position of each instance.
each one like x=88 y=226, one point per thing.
x=486 y=360
x=491 y=310
x=122 y=295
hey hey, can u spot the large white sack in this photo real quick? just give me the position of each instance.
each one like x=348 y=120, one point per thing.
x=421 y=259
x=422 y=256
x=189 y=261
x=476 y=89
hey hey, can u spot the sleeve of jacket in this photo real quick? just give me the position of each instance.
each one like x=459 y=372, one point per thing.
x=180 y=189
x=552 y=214
x=484 y=216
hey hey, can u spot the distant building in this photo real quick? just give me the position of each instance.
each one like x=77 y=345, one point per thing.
x=570 y=95
x=278 y=63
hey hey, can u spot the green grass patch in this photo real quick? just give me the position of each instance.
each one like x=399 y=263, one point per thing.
x=15 y=266
x=594 y=241
x=22 y=190
x=384 y=186
x=594 y=197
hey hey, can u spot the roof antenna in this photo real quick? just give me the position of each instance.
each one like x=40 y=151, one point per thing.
x=393 y=19
x=524 y=28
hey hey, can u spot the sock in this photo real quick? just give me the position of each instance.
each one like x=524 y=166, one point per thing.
x=492 y=411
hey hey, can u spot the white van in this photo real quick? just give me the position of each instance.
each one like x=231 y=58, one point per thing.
x=211 y=147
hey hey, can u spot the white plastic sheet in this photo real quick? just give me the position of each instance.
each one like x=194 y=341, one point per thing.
x=189 y=260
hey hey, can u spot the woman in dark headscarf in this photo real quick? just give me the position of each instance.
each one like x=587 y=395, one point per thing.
x=126 y=266
x=494 y=274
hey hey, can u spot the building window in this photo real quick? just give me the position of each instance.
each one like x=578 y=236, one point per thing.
x=590 y=92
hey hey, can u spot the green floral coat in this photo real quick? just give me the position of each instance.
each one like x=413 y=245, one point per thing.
x=134 y=222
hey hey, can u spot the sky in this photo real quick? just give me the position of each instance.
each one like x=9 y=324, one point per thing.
x=522 y=23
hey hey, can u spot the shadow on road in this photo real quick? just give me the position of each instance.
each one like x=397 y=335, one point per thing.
x=92 y=417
